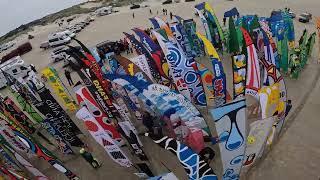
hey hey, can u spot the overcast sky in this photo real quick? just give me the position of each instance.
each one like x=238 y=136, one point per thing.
x=14 y=13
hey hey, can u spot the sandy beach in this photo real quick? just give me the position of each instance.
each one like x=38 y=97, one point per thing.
x=110 y=27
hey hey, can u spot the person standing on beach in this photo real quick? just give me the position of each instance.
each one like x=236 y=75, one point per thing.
x=150 y=11
x=171 y=15
x=68 y=76
x=133 y=15
x=163 y=12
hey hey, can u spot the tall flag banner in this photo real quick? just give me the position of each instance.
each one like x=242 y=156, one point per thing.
x=156 y=53
x=91 y=81
x=253 y=82
x=142 y=50
x=27 y=107
x=274 y=77
x=131 y=134
x=233 y=44
x=195 y=87
x=34 y=171
x=239 y=75
x=11 y=138
x=164 y=26
x=96 y=76
x=256 y=141
x=230 y=121
x=196 y=44
x=40 y=151
x=194 y=165
x=50 y=74
x=205 y=24
x=103 y=138
x=212 y=16
x=174 y=58
x=121 y=105
x=219 y=80
x=85 y=98
x=12 y=111
x=131 y=68
x=207 y=77
x=63 y=146
x=7 y=159
x=58 y=117
x=141 y=62
x=268 y=50
x=310 y=44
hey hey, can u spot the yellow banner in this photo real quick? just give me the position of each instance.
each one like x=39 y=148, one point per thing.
x=210 y=48
x=59 y=89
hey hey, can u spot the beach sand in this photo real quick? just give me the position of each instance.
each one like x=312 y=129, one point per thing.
x=110 y=28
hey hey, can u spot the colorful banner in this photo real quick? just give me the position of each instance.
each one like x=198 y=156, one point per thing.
x=141 y=62
x=259 y=131
x=12 y=112
x=58 y=88
x=196 y=44
x=103 y=138
x=230 y=121
x=27 y=107
x=205 y=24
x=95 y=73
x=131 y=134
x=174 y=59
x=85 y=98
x=195 y=88
x=90 y=80
x=213 y=18
x=253 y=82
x=239 y=65
x=34 y=171
x=142 y=50
x=207 y=77
x=63 y=146
x=156 y=53
x=132 y=69
x=219 y=80
x=39 y=151
x=194 y=164
x=58 y=118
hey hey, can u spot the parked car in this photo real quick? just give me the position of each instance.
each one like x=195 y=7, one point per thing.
x=304 y=18
x=69 y=33
x=292 y=14
x=58 y=54
x=135 y=6
x=58 y=39
x=45 y=45
x=110 y=46
x=309 y=15
x=81 y=24
x=20 y=50
x=167 y=2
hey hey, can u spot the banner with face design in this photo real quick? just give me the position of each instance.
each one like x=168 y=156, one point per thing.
x=230 y=121
x=84 y=98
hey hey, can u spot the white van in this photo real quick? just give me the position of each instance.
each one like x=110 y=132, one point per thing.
x=104 y=11
x=15 y=67
x=58 y=39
